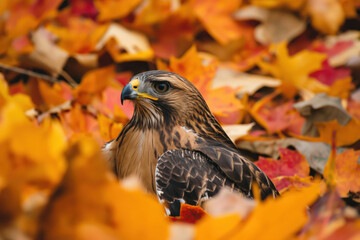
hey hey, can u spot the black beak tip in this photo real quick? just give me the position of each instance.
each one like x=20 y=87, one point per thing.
x=128 y=93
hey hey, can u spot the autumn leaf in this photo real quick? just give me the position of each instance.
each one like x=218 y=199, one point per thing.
x=295 y=69
x=115 y=211
x=276 y=118
x=326 y=15
x=106 y=8
x=91 y=87
x=345 y=171
x=189 y=214
x=216 y=17
x=222 y=101
x=290 y=164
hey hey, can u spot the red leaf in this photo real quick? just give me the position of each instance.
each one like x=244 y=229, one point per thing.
x=189 y=214
x=291 y=163
x=328 y=75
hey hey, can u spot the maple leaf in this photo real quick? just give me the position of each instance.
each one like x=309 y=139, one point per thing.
x=345 y=172
x=78 y=35
x=291 y=163
x=295 y=69
x=345 y=135
x=222 y=101
x=217 y=20
x=277 y=118
x=90 y=85
x=115 y=211
x=291 y=206
x=106 y=8
x=189 y=214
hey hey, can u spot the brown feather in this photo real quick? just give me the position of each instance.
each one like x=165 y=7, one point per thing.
x=179 y=119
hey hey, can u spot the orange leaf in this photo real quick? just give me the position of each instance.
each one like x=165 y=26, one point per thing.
x=93 y=83
x=106 y=8
x=291 y=206
x=326 y=15
x=346 y=172
x=222 y=101
x=345 y=135
x=216 y=17
x=110 y=208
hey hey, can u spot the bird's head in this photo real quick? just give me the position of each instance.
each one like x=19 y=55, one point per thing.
x=162 y=95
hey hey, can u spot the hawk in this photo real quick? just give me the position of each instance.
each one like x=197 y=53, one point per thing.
x=176 y=147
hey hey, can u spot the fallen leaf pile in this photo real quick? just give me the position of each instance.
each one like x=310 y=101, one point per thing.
x=281 y=76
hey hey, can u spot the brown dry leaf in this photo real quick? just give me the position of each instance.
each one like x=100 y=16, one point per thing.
x=276 y=25
x=46 y=55
x=321 y=108
x=326 y=15
x=236 y=131
x=247 y=83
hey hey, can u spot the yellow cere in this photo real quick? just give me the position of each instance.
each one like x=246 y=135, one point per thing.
x=135 y=84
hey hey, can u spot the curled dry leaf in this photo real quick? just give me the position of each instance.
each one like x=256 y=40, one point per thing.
x=276 y=25
x=46 y=55
x=119 y=39
x=321 y=108
x=247 y=83
x=237 y=130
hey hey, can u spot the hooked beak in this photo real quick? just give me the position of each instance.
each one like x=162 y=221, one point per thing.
x=131 y=92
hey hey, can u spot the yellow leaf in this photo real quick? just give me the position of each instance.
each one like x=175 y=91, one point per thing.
x=110 y=209
x=292 y=207
x=107 y=12
x=295 y=69
x=293 y=5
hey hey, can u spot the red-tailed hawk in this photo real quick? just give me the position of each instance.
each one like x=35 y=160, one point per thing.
x=176 y=146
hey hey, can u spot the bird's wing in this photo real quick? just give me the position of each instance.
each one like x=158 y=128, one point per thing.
x=236 y=167
x=187 y=176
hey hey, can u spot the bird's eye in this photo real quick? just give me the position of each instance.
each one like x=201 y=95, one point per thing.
x=161 y=87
